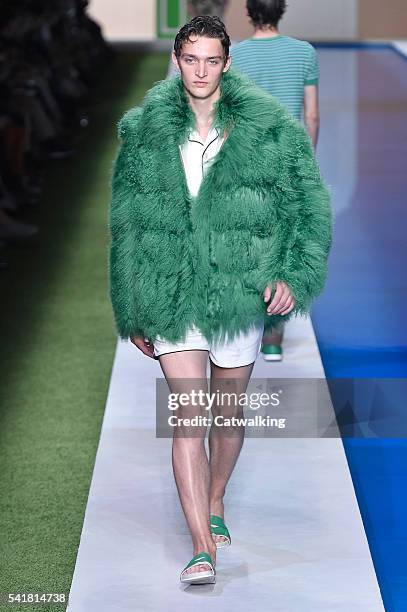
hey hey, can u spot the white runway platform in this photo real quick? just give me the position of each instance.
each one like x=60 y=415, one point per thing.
x=298 y=542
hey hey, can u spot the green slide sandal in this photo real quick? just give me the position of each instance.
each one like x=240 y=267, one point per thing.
x=202 y=577
x=219 y=528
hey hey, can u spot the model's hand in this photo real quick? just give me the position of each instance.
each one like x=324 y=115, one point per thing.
x=144 y=345
x=283 y=301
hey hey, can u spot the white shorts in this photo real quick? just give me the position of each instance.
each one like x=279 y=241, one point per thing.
x=241 y=350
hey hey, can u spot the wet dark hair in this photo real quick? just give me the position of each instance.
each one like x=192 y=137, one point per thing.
x=203 y=25
x=265 y=12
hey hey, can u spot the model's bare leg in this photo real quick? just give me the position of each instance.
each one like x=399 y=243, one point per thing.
x=189 y=458
x=224 y=445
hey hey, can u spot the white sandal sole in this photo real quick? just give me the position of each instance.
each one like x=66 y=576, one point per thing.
x=199 y=578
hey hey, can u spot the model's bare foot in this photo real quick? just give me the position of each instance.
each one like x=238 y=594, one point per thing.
x=209 y=548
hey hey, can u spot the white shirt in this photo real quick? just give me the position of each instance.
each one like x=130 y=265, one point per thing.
x=197 y=156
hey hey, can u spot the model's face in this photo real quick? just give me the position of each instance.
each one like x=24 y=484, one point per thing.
x=202 y=63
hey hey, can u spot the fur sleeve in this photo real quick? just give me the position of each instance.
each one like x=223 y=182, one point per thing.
x=122 y=235
x=307 y=245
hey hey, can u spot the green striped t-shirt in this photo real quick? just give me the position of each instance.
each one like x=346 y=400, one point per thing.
x=281 y=65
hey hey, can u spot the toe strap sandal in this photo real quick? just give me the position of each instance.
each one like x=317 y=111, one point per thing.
x=219 y=528
x=199 y=577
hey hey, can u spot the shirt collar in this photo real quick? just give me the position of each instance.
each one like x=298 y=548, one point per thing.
x=194 y=135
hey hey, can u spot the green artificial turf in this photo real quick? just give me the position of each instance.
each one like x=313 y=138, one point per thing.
x=57 y=348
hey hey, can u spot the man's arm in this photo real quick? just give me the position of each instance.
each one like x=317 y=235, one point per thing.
x=311 y=112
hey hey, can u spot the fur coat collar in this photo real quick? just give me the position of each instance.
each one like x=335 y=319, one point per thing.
x=239 y=105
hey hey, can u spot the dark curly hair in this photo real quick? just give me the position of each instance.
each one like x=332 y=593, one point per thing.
x=203 y=25
x=265 y=12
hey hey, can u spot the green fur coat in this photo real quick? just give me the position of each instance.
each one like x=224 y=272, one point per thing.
x=262 y=214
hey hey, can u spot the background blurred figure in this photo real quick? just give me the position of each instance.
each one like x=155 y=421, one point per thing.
x=206 y=7
x=50 y=56
x=288 y=69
